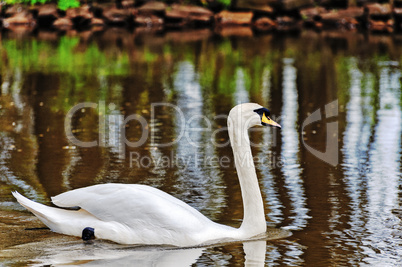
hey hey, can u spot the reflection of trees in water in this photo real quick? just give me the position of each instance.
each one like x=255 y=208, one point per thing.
x=42 y=79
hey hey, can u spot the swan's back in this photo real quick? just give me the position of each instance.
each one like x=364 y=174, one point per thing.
x=130 y=204
x=128 y=214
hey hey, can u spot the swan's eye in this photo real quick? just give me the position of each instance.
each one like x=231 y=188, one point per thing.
x=262 y=111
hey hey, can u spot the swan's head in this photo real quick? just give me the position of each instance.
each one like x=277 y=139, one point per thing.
x=251 y=114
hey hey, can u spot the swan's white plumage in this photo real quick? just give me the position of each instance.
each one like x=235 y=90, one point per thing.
x=140 y=214
x=127 y=214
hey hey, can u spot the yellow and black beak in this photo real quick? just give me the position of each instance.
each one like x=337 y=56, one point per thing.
x=265 y=119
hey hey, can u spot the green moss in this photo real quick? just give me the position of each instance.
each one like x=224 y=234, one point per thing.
x=62 y=4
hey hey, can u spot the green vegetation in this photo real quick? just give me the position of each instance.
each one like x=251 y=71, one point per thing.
x=133 y=71
x=62 y=4
x=65 y=4
x=32 y=2
x=225 y=3
x=64 y=57
x=79 y=71
x=86 y=71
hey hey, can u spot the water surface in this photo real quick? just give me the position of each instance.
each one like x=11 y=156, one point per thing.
x=167 y=96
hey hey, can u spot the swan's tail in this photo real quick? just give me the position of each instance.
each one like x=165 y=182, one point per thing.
x=45 y=213
x=70 y=222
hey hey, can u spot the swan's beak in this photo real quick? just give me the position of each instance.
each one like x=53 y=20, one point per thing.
x=266 y=121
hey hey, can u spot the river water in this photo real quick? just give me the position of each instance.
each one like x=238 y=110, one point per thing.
x=86 y=108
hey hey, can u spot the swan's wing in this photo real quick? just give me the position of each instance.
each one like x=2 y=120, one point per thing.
x=133 y=205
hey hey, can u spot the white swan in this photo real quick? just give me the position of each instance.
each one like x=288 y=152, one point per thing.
x=140 y=214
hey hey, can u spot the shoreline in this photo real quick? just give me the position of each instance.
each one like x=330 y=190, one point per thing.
x=371 y=17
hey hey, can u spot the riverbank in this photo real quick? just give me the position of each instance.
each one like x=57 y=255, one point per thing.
x=373 y=17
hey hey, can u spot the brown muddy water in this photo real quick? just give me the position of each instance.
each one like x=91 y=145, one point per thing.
x=139 y=107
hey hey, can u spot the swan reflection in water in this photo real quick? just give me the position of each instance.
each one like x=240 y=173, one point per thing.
x=61 y=250
x=103 y=253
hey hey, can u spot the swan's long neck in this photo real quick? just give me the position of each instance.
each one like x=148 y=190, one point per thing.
x=254 y=216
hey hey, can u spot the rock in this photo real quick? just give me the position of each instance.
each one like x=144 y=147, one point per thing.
x=352 y=12
x=264 y=24
x=47 y=14
x=80 y=16
x=175 y=14
x=255 y=5
x=397 y=12
x=379 y=17
x=380 y=26
x=378 y=10
x=152 y=8
x=127 y=3
x=286 y=23
x=312 y=12
x=11 y=11
x=21 y=18
x=346 y=18
x=332 y=18
x=83 y=11
x=285 y=20
x=97 y=22
x=63 y=23
x=114 y=16
x=48 y=10
x=234 y=18
x=148 y=21
x=312 y=15
x=188 y=15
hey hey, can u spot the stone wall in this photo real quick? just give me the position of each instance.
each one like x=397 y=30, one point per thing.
x=260 y=15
